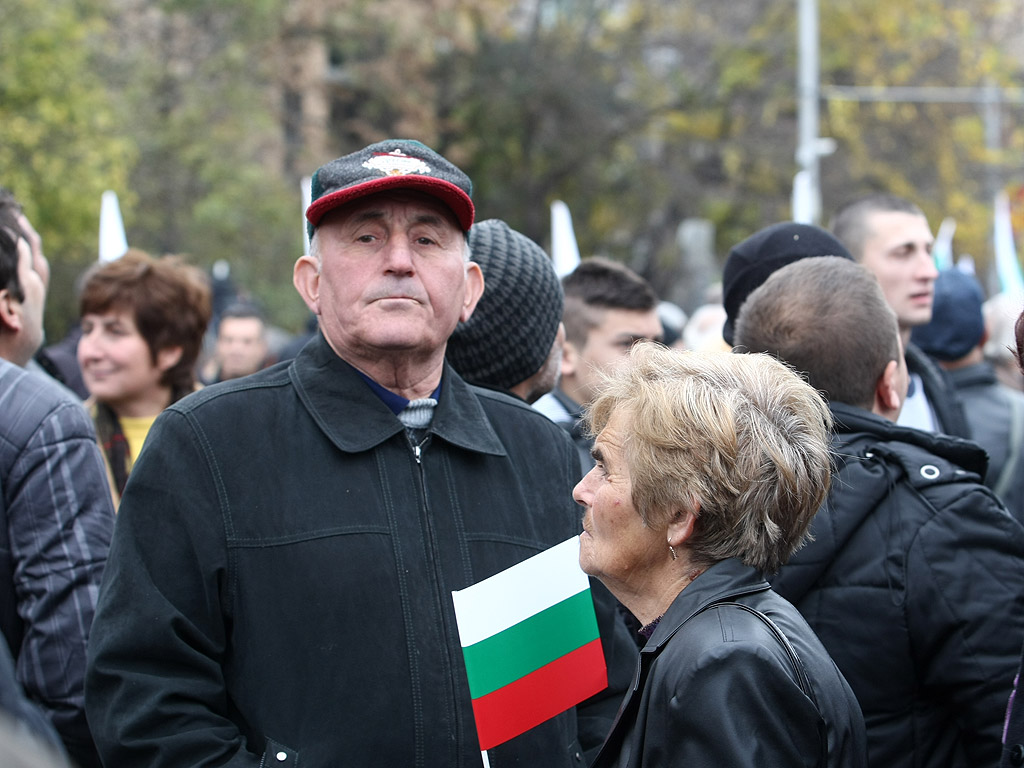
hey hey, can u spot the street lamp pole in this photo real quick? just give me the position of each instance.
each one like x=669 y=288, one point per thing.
x=807 y=184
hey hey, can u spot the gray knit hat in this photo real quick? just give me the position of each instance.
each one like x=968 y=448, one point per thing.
x=510 y=333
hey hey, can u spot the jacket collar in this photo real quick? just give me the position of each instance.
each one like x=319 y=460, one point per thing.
x=975 y=375
x=355 y=419
x=723 y=581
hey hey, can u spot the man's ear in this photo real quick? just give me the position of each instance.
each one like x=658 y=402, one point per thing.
x=570 y=359
x=474 y=290
x=306 y=279
x=888 y=399
x=10 y=312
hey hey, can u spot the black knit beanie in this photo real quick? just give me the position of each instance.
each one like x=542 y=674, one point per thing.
x=752 y=261
x=510 y=333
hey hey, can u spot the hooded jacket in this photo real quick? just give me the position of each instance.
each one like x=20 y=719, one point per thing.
x=279 y=587
x=915 y=584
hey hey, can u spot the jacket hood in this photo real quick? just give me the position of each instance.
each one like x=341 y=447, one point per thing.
x=872 y=455
x=851 y=422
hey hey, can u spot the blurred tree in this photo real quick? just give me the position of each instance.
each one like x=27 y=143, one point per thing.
x=197 y=83
x=933 y=153
x=638 y=113
x=61 y=143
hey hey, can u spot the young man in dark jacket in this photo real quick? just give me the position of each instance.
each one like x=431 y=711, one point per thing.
x=891 y=237
x=914 y=580
x=279 y=587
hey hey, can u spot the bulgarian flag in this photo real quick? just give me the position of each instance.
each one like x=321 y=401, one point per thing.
x=529 y=637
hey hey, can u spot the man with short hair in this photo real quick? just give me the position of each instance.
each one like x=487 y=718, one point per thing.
x=241 y=346
x=891 y=237
x=279 y=587
x=608 y=308
x=914 y=578
x=56 y=515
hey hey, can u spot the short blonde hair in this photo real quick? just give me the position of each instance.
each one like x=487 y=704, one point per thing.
x=741 y=440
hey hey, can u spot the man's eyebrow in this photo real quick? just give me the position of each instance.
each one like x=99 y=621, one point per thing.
x=595 y=454
x=429 y=218
x=368 y=215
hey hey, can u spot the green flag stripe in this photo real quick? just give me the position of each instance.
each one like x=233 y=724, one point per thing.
x=530 y=644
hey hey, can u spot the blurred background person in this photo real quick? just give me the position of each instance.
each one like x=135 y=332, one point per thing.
x=513 y=340
x=751 y=261
x=1001 y=312
x=709 y=469
x=608 y=308
x=24 y=280
x=143 y=320
x=241 y=344
x=27 y=737
x=703 y=329
x=1013 y=729
x=955 y=338
x=890 y=236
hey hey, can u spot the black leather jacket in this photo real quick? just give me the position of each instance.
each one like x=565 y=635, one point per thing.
x=714 y=688
x=279 y=586
x=915 y=584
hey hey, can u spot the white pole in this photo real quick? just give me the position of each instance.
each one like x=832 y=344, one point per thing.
x=807 y=150
x=305 y=188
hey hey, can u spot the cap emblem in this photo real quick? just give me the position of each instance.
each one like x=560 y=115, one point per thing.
x=395 y=163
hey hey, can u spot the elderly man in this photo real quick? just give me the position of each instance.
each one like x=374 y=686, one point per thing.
x=279 y=586
x=56 y=516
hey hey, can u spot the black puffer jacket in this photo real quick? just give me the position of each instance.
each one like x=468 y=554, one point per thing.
x=915 y=585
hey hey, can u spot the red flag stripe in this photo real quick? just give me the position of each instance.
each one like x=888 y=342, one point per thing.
x=540 y=695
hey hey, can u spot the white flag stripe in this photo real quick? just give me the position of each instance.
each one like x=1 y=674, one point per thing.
x=515 y=594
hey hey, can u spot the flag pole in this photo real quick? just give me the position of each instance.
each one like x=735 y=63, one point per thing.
x=306 y=191
x=487 y=763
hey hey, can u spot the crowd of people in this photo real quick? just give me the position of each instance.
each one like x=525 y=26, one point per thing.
x=801 y=509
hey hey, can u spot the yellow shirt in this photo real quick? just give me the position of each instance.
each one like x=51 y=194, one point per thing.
x=135 y=430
